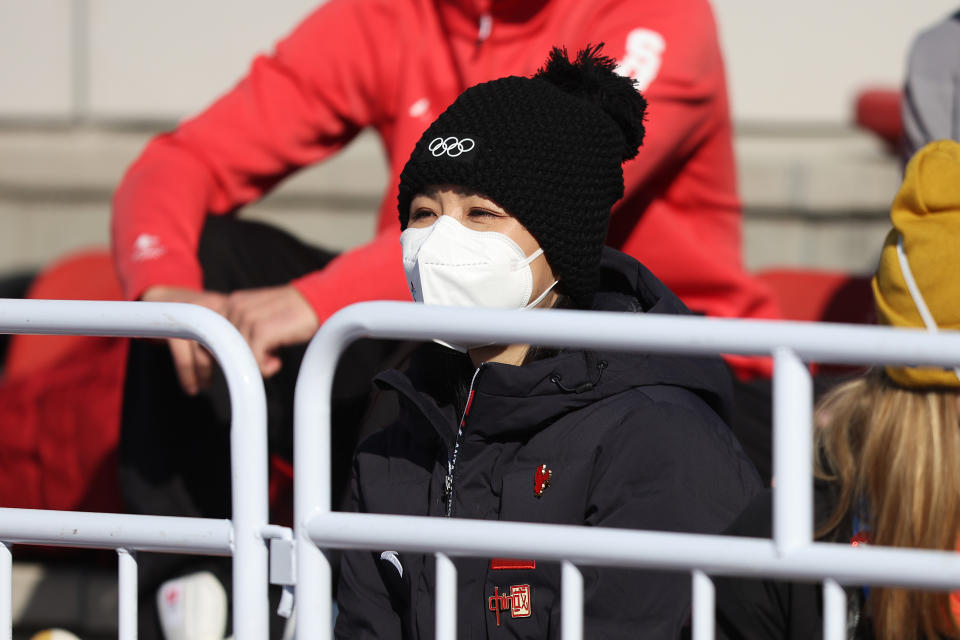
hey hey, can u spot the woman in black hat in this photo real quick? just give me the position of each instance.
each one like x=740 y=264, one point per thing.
x=504 y=203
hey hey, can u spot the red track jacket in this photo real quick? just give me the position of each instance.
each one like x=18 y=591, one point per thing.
x=395 y=65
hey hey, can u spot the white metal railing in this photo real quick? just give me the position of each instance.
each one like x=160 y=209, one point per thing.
x=242 y=537
x=790 y=554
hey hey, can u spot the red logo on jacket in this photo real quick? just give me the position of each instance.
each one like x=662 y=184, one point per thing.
x=541 y=479
x=517 y=602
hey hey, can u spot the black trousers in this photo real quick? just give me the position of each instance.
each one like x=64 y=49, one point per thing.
x=174 y=449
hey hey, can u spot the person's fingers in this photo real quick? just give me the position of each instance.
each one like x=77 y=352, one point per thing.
x=270 y=365
x=241 y=314
x=269 y=319
x=203 y=365
x=182 y=353
x=215 y=301
x=263 y=348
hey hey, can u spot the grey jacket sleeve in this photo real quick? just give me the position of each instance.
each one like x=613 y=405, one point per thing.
x=931 y=100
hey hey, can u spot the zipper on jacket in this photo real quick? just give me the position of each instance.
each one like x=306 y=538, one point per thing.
x=452 y=458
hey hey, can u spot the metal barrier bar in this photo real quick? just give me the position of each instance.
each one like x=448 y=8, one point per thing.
x=248 y=438
x=703 y=607
x=571 y=612
x=829 y=343
x=6 y=591
x=446 y=595
x=112 y=530
x=630 y=548
x=127 y=594
x=792 y=451
x=834 y=611
x=653 y=333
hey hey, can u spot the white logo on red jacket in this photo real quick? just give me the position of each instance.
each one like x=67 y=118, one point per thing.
x=419 y=108
x=147 y=247
x=644 y=52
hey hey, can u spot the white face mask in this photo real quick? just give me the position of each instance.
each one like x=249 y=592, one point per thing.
x=449 y=264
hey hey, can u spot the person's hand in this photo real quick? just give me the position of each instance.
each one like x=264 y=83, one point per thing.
x=194 y=365
x=271 y=318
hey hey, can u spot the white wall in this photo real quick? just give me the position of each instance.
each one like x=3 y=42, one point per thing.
x=169 y=58
x=798 y=62
x=132 y=59
x=805 y=61
x=35 y=58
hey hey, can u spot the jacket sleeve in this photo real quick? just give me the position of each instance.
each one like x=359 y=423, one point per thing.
x=754 y=609
x=681 y=188
x=671 y=51
x=373 y=271
x=295 y=107
x=365 y=609
x=665 y=467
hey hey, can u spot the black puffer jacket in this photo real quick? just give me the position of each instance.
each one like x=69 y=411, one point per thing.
x=632 y=440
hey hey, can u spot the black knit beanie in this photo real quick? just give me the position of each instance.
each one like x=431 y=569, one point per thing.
x=548 y=149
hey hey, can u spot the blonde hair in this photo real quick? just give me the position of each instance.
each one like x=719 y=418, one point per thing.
x=896 y=451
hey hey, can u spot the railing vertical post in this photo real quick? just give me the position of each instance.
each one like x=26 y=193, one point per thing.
x=834 y=611
x=6 y=592
x=127 y=594
x=792 y=452
x=446 y=600
x=571 y=610
x=311 y=481
x=248 y=473
x=248 y=476
x=704 y=607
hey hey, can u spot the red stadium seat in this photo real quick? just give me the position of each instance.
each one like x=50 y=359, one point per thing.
x=878 y=111
x=821 y=296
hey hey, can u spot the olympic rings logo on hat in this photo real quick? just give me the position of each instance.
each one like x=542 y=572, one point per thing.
x=451 y=146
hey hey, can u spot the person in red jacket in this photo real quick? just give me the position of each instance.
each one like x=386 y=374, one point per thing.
x=394 y=65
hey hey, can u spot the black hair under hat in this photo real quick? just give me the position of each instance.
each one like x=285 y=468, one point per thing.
x=548 y=149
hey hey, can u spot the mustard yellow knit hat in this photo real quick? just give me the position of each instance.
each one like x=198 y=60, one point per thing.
x=923 y=248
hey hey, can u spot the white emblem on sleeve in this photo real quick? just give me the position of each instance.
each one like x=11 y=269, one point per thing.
x=641 y=62
x=147 y=247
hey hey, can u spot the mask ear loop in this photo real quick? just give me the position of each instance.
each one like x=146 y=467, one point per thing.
x=527 y=262
x=915 y=294
x=531 y=305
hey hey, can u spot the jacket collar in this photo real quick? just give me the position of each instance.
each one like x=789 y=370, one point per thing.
x=514 y=401
x=463 y=17
x=508 y=401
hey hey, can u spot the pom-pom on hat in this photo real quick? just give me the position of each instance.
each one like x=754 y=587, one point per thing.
x=548 y=149
x=916 y=284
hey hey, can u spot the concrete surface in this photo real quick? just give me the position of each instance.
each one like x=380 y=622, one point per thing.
x=812 y=197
